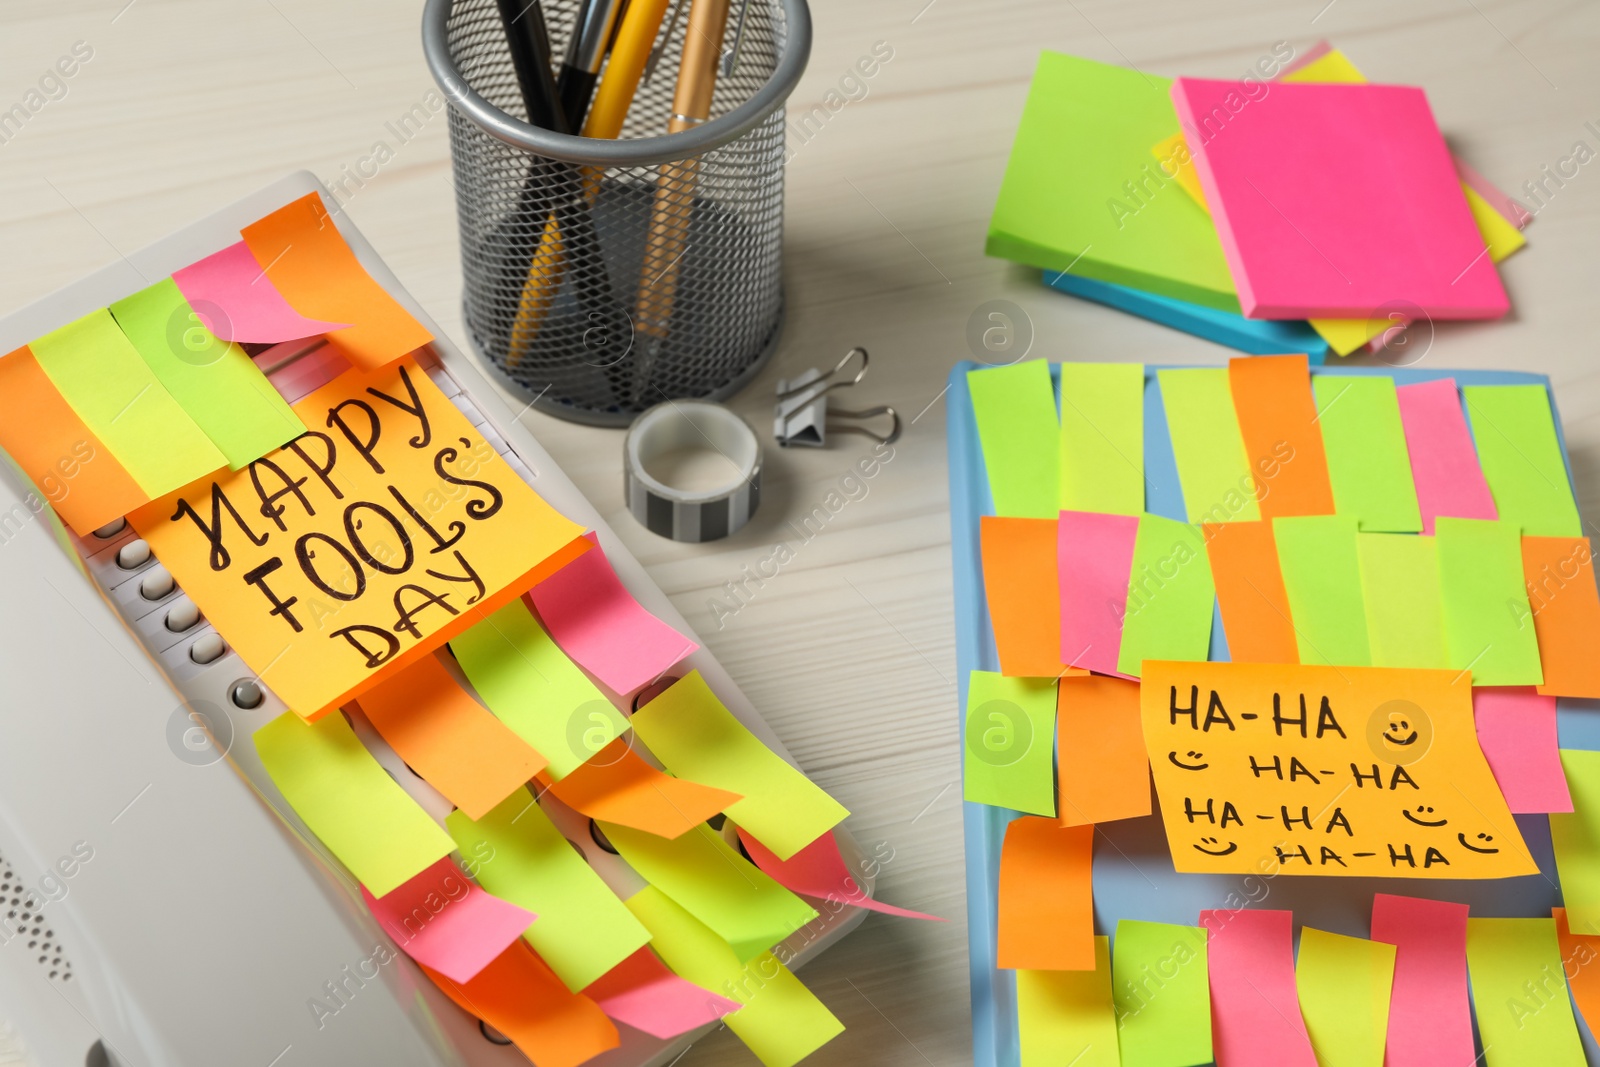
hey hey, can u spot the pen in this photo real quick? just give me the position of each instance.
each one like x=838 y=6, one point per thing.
x=586 y=51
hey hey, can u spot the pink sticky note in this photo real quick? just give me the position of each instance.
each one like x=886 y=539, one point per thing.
x=641 y=992
x=1336 y=201
x=596 y=621
x=1094 y=555
x=1517 y=730
x=233 y=297
x=1255 y=1008
x=442 y=919
x=818 y=870
x=1444 y=461
x=1430 y=1021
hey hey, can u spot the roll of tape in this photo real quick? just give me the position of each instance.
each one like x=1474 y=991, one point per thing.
x=706 y=511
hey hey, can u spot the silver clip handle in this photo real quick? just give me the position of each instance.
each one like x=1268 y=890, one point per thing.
x=816 y=388
x=867 y=413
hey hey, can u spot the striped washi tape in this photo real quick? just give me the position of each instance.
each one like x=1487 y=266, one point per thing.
x=706 y=510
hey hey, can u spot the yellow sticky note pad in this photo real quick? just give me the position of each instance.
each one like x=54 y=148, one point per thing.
x=1352 y=771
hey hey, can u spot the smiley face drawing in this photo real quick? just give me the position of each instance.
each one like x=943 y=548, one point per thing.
x=1485 y=838
x=1233 y=846
x=1399 y=732
x=1420 y=817
x=1172 y=757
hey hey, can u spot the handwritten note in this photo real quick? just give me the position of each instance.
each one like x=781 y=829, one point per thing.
x=1278 y=421
x=1344 y=985
x=1067 y=1016
x=616 y=785
x=1515 y=431
x=1430 y=1019
x=1368 y=465
x=1520 y=988
x=1007 y=743
x=1102 y=437
x=819 y=871
x=1486 y=607
x=1444 y=461
x=1171 y=596
x=235 y=300
x=1404 y=608
x=1163 y=999
x=1250 y=592
x=641 y=992
x=1015 y=409
x=1094 y=555
x=1558 y=573
x=1219 y=483
x=1517 y=729
x=1575 y=837
x=1100 y=757
x=442 y=919
x=1255 y=1012
x=1322 y=577
x=1046 y=917
x=1345 y=771
x=1020 y=588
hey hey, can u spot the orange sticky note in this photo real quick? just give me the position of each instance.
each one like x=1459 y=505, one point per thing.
x=1046 y=899
x=76 y=473
x=1019 y=583
x=1103 y=771
x=1580 y=959
x=1278 y=421
x=1255 y=606
x=1559 y=572
x=303 y=254
x=448 y=738
x=616 y=785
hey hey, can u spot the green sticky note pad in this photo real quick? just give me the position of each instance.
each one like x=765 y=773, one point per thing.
x=1067 y=1017
x=1515 y=432
x=216 y=383
x=1575 y=836
x=1322 y=577
x=1520 y=991
x=1083 y=192
x=1015 y=408
x=1102 y=437
x=1369 y=467
x=1344 y=985
x=1008 y=757
x=1171 y=595
x=1213 y=468
x=1162 y=993
x=1488 y=624
x=1400 y=586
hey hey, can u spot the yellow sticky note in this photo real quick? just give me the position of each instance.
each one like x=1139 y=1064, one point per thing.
x=1351 y=771
x=1519 y=993
x=1067 y=1016
x=1344 y=987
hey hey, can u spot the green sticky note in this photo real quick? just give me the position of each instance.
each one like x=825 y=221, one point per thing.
x=1575 y=836
x=1171 y=595
x=1488 y=624
x=1515 y=432
x=1016 y=411
x=1344 y=985
x=1067 y=1016
x=1008 y=757
x=1322 y=577
x=216 y=383
x=1519 y=990
x=782 y=1022
x=1400 y=586
x=518 y=854
x=349 y=801
x=1102 y=437
x=716 y=885
x=1369 y=467
x=531 y=686
x=1083 y=192
x=1213 y=469
x=119 y=398
x=1162 y=993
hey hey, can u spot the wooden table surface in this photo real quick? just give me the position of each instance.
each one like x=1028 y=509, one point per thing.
x=185 y=105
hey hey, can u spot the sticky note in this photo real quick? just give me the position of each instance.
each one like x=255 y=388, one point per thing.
x=1102 y=437
x=1579 y=952
x=1575 y=837
x=1046 y=917
x=533 y=688
x=101 y=377
x=1346 y=771
x=615 y=785
x=1430 y=1020
x=1173 y=155
x=1163 y=1000
x=596 y=621
x=712 y=882
x=1015 y=409
x=1021 y=589
x=695 y=737
x=1404 y=607
x=67 y=463
x=1255 y=1013
x=1322 y=578
x=1282 y=442
x=1008 y=743
x=1101 y=761
x=1067 y=1016
x=519 y=855
x=1521 y=1025
x=1521 y=456
x=1344 y=983
x=213 y=380
x=1486 y=609
x=1213 y=467
x=349 y=801
x=1255 y=607
x=442 y=919
x=1094 y=556
x=782 y=1022
x=1171 y=597
x=641 y=992
x=235 y=300
x=1368 y=464
x=819 y=871
x=1444 y=461
x=1517 y=730
x=299 y=248
x=1558 y=573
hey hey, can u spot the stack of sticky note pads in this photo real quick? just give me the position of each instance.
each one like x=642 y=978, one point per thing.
x=1298 y=209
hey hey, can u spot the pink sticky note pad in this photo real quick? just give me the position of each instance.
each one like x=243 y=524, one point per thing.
x=1336 y=201
x=596 y=621
x=1517 y=731
x=233 y=297
x=1255 y=1007
x=643 y=993
x=1444 y=461
x=1094 y=553
x=819 y=870
x=442 y=919
x=1430 y=1021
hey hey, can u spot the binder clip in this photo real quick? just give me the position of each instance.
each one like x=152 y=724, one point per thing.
x=803 y=416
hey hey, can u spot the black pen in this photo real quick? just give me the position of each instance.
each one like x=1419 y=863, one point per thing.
x=586 y=51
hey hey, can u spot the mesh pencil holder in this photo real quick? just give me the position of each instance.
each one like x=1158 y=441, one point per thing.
x=603 y=276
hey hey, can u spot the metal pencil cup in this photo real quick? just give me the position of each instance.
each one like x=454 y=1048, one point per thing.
x=605 y=276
